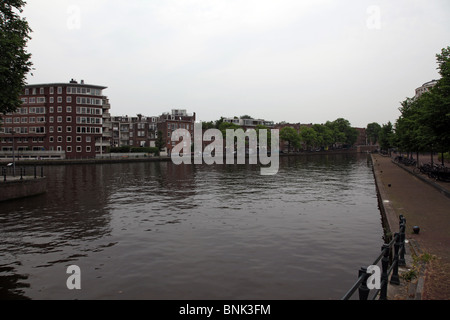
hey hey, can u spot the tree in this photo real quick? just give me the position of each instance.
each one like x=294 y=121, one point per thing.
x=291 y=136
x=14 y=60
x=373 y=131
x=309 y=137
x=342 y=132
x=160 y=143
x=386 y=136
x=324 y=135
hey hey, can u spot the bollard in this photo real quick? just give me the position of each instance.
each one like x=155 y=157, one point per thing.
x=35 y=172
x=363 y=290
x=401 y=260
x=21 y=173
x=395 y=279
x=42 y=172
x=384 y=273
x=4 y=173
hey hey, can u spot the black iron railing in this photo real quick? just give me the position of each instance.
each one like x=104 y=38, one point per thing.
x=389 y=267
x=13 y=173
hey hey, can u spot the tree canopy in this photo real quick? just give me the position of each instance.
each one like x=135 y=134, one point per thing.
x=14 y=60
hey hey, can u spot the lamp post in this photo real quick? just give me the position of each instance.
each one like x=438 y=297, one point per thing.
x=13 y=155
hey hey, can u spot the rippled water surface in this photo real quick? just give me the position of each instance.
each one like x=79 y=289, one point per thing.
x=160 y=231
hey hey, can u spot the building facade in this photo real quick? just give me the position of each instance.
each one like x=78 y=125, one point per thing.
x=143 y=131
x=65 y=120
x=425 y=88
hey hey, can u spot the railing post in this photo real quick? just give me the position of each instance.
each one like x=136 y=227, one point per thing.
x=4 y=173
x=35 y=172
x=363 y=289
x=401 y=260
x=395 y=279
x=384 y=275
x=42 y=172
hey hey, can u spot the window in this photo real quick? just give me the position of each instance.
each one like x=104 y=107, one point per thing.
x=88 y=139
x=78 y=148
x=27 y=92
x=59 y=99
x=59 y=139
x=59 y=90
x=69 y=139
x=51 y=139
x=68 y=109
x=68 y=119
x=24 y=120
x=69 y=149
x=59 y=109
x=41 y=91
x=51 y=119
x=59 y=119
x=50 y=129
x=59 y=129
x=34 y=91
x=88 y=149
x=52 y=100
x=52 y=90
x=78 y=139
x=68 y=129
x=68 y=99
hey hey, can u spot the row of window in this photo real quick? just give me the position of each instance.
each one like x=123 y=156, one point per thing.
x=69 y=90
x=26 y=130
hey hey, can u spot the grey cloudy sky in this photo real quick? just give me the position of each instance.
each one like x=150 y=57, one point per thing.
x=284 y=60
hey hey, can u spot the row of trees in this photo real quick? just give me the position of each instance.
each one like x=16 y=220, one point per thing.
x=424 y=122
x=323 y=136
x=320 y=136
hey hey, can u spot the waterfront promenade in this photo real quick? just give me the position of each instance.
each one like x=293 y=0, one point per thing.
x=423 y=205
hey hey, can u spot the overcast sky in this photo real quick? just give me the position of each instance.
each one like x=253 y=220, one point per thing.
x=283 y=60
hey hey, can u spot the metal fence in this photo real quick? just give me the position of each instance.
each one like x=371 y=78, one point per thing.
x=389 y=266
x=9 y=173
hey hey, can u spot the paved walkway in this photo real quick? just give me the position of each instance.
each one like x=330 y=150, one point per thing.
x=424 y=206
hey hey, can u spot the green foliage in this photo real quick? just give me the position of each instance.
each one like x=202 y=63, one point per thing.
x=386 y=137
x=342 y=132
x=14 y=60
x=309 y=137
x=373 y=132
x=290 y=135
x=424 y=122
x=160 y=142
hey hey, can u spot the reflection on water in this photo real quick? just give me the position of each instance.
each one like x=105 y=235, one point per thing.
x=160 y=231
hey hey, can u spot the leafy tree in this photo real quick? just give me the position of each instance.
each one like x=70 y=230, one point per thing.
x=324 y=135
x=269 y=136
x=309 y=137
x=208 y=125
x=291 y=136
x=373 y=131
x=386 y=136
x=246 y=116
x=160 y=143
x=14 y=60
x=342 y=132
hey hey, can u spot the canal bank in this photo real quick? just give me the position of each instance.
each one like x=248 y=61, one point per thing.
x=22 y=187
x=402 y=193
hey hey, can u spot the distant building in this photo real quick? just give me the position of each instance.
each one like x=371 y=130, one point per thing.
x=139 y=131
x=249 y=123
x=142 y=131
x=426 y=87
x=60 y=120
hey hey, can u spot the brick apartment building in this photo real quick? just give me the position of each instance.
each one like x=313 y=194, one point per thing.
x=142 y=131
x=59 y=120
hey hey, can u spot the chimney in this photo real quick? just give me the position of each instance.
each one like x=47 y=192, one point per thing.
x=82 y=81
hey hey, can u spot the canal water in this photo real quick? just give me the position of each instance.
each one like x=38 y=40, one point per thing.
x=160 y=231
